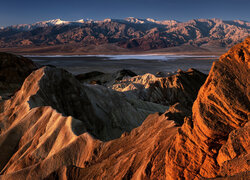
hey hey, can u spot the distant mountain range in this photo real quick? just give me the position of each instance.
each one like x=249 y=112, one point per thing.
x=125 y=34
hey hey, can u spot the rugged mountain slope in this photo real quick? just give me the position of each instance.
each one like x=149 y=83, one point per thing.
x=39 y=111
x=97 y=106
x=130 y=33
x=213 y=137
x=177 y=90
x=181 y=87
x=40 y=143
x=214 y=142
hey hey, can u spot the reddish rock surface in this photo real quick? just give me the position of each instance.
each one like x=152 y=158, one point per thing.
x=213 y=137
x=37 y=142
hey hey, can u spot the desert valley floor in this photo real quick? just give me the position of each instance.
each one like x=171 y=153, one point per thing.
x=140 y=64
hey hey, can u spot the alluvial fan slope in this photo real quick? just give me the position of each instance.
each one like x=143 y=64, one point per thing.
x=50 y=131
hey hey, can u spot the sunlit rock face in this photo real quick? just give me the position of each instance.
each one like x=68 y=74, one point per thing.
x=178 y=90
x=97 y=106
x=216 y=138
x=53 y=112
x=181 y=87
x=51 y=129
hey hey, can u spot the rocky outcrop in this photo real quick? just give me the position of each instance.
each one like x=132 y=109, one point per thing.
x=38 y=142
x=52 y=98
x=178 y=90
x=166 y=89
x=13 y=71
x=97 y=106
x=55 y=151
x=212 y=142
x=53 y=113
x=181 y=88
x=136 y=155
x=235 y=152
x=213 y=137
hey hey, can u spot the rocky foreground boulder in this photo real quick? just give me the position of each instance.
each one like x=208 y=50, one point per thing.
x=39 y=138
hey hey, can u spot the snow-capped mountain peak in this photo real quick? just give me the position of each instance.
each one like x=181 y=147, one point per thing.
x=135 y=20
x=130 y=20
x=81 y=21
x=56 y=22
x=151 y=20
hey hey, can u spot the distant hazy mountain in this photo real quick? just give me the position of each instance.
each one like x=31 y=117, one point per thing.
x=129 y=33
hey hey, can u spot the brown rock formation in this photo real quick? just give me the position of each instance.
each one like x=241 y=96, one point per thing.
x=220 y=115
x=31 y=122
x=182 y=87
x=37 y=142
x=178 y=90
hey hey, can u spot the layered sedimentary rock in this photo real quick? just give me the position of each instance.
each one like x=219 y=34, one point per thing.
x=97 y=106
x=217 y=135
x=213 y=142
x=179 y=88
x=233 y=157
x=13 y=71
x=136 y=155
x=38 y=142
x=38 y=118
